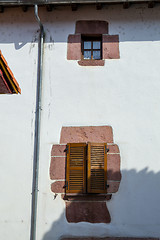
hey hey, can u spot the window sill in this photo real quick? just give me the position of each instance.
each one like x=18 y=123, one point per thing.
x=86 y=197
x=91 y=62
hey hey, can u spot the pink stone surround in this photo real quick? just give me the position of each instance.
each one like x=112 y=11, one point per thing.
x=86 y=204
x=110 y=43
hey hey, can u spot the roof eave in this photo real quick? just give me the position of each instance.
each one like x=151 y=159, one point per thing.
x=63 y=2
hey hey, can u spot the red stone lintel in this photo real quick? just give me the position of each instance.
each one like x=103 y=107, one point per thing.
x=99 y=134
x=91 y=27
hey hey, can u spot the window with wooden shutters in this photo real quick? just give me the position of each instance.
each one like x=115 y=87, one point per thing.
x=86 y=170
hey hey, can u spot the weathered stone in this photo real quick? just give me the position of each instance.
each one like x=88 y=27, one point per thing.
x=99 y=134
x=74 y=47
x=91 y=63
x=110 y=46
x=91 y=27
x=58 y=150
x=113 y=167
x=93 y=212
x=58 y=187
x=57 y=168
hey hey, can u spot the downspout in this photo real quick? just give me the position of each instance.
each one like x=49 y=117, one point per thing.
x=37 y=128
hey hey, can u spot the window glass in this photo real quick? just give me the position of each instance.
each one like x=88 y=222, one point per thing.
x=96 y=45
x=87 y=45
x=96 y=55
x=87 y=54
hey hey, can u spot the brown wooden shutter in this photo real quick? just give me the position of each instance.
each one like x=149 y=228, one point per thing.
x=76 y=168
x=97 y=168
x=110 y=46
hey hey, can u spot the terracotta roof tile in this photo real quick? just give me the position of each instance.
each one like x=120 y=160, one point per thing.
x=4 y=88
x=10 y=73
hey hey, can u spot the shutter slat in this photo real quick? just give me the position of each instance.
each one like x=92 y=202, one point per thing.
x=97 y=168
x=76 y=173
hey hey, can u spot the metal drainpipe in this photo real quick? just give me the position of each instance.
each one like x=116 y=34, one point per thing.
x=37 y=128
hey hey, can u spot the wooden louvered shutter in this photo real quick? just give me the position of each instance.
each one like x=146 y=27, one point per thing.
x=76 y=168
x=97 y=167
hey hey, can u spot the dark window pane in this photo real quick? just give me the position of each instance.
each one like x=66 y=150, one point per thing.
x=96 y=45
x=96 y=55
x=87 y=45
x=87 y=54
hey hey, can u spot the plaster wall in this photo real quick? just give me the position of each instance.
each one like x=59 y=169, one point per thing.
x=124 y=94
x=17 y=124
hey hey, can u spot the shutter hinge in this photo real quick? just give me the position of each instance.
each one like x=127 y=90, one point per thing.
x=66 y=185
x=106 y=149
x=107 y=186
x=66 y=149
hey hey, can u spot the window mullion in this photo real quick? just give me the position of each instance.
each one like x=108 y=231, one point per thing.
x=92 y=50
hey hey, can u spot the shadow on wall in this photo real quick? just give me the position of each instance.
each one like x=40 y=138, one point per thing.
x=134 y=210
x=138 y=23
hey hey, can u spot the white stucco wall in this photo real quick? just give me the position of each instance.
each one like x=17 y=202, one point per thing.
x=124 y=94
x=17 y=125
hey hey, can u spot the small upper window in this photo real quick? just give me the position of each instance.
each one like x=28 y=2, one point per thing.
x=91 y=48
